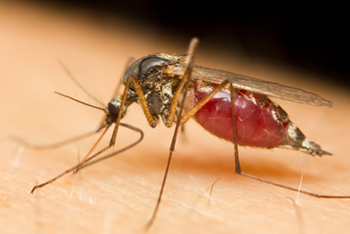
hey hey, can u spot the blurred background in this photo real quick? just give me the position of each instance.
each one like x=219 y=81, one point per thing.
x=312 y=37
x=296 y=45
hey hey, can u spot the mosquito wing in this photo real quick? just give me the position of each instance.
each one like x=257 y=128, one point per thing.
x=260 y=86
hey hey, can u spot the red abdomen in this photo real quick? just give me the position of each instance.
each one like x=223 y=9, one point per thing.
x=260 y=122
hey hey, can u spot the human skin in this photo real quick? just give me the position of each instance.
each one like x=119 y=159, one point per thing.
x=202 y=194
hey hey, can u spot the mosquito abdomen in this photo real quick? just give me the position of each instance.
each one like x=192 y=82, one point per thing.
x=259 y=121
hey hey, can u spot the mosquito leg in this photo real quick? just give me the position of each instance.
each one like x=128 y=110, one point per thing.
x=61 y=143
x=187 y=78
x=144 y=106
x=238 y=166
x=111 y=142
x=127 y=64
x=238 y=169
x=179 y=90
x=102 y=126
x=145 y=109
x=119 y=151
x=235 y=143
x=19 y=140
x=295 y=189
x=76 y=166
x=143 y=102
x=90 y=151
x=116 y=91
x=172 y=148
x=202 y=102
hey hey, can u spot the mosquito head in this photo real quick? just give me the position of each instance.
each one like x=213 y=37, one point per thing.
x=113 y=109
x=146 y=65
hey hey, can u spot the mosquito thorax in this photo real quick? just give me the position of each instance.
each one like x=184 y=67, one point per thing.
x=147 y=65
x=158 y=88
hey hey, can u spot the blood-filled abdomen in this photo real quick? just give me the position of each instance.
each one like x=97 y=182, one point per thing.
x=259 y=121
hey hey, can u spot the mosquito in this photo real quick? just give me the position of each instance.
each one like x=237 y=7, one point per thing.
x=234 y=107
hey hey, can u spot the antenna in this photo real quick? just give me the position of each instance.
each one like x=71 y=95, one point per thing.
x=64 y=67
x=81 y=102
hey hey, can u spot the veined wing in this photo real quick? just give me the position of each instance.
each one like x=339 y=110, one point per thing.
x=260 y=86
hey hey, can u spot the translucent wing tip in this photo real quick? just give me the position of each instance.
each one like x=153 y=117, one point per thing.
x=323 y=103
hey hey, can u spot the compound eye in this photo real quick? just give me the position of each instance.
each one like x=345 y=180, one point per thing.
x=113 y=109
x=151 y=64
